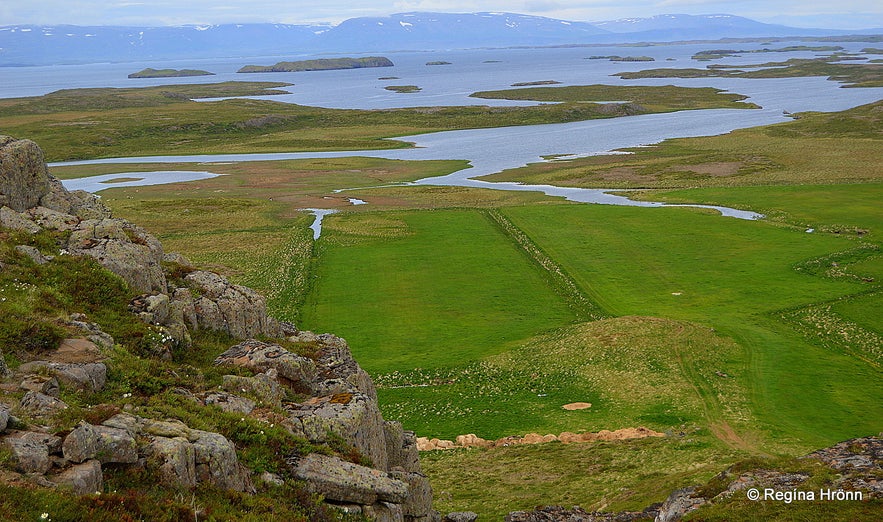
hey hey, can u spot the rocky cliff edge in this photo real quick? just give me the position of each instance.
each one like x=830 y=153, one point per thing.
x=323 y=398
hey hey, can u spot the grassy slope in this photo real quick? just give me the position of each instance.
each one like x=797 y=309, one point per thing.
x=731 y=275
x=604 y=476
x=424 y=289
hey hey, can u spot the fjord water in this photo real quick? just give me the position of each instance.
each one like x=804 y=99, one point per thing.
x=493 y=150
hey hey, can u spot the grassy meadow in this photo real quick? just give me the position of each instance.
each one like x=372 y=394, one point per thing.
x=480 y=311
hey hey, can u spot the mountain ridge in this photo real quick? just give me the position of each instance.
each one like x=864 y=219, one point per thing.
x=26 y=45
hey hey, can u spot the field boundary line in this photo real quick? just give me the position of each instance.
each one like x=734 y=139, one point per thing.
x=563 y=284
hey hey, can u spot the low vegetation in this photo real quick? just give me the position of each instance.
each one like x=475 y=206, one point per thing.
x=484 y=312
x=658 y=99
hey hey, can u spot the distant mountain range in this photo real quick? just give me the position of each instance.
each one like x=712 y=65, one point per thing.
x=60 y=44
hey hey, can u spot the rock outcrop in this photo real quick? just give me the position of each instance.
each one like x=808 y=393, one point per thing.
x=24 y=178
x=321 y=395
x=338 y=400
x=32 y=200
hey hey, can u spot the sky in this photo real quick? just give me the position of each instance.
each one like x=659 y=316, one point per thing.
x=844 y=14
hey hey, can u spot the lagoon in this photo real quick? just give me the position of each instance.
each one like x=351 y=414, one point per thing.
x=490 y=151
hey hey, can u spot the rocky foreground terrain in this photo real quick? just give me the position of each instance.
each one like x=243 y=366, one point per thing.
x=297 y=400
x=323 y=397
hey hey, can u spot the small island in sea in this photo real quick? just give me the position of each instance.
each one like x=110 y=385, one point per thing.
x=530 y=84
x=438 y=63
x=402 y=88
x=322 y=64
x=169 y=73
x=615 y=58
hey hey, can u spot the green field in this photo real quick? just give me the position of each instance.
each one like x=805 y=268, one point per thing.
x=480 y=311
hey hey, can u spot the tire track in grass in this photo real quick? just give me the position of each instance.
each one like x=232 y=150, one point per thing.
x=563 y=284
x=711 y=408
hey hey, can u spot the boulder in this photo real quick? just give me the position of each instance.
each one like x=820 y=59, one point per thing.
x=230 y=403
x=354 y=417
x=678 y=504
x=124 y=249
x=81 y=444
x=79 y=376
x=461 y=516
x=28 y=454
x=84 y=377
x=341 y=481
x=40 y=405
x=4 y=370
x=167 y=428
x=4 y=417
x=100 y=442
x=52 y=219
x=83 y=479
x=93 y=333
x=265 y=386
x=41 y=383
x=116 y=445
x=337 y=366
x=175 y=459
x=419 y=501
x=235 y=309
x=152 y=309
x=24 y=178
x=217 y=464
x=384 y=512
x=31 y=252
x=10 y=218
x=401 y=448
x=294 y=371
x=78 y=351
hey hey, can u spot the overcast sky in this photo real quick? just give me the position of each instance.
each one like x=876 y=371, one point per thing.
x=803 y=13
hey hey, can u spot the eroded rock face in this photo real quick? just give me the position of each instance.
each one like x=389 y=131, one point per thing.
x=123 y=248
x=294 y=371
x=342 y=481
x=235 y=309
x=24 y=178
x=352 y=416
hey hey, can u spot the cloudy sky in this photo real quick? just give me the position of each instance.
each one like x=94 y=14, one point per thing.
x=847 y=14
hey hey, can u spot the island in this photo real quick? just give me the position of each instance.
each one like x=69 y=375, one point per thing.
x=402 y=88
x=322 y=64
x=440 y=62
x=531 y=84
x=616 y=58
x=169 y=73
